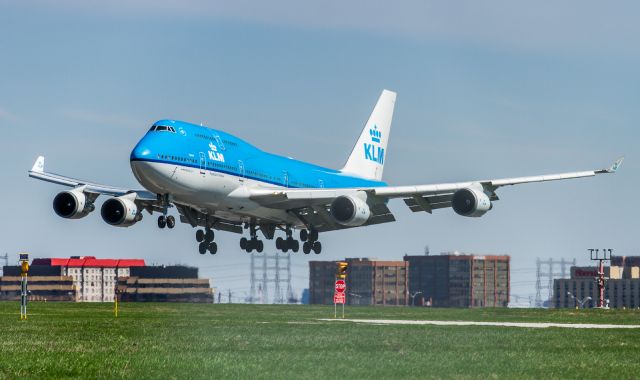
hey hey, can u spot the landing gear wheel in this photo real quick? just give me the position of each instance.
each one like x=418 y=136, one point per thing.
x=213 y=248
x=171 y=221
x=209 y=235
x=306 y=247
x=202 y=248
x=304 y=235
x=243 y=243
x=279 y=243
x=317 y=247
x=260 y=246
x=295 y=247
x=162 y=221
x=199 y=236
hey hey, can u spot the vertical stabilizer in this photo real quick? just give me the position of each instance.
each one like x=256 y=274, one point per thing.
x=368 y=155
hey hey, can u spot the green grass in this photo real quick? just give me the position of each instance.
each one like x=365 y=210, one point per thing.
x=262 y=341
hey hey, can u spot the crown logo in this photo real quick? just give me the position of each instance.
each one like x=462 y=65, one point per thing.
x=213 y=147
x=376 y=135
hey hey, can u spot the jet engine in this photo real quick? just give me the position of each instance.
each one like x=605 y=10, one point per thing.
x=470 y=202
x=72 y=204
x=350 y=210
x=120 y=212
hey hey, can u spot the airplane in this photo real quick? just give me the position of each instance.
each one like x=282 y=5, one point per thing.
x=218 y=181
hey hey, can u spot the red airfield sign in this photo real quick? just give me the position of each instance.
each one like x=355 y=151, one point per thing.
x=339 y=298
x=340 y=286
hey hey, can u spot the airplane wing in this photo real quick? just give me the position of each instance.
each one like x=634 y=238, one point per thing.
x=314 y=204
x=143 y=197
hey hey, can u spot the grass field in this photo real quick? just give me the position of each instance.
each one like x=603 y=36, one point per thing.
x=269 y=341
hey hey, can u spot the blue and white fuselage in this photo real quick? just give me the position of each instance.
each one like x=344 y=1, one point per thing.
x=211 y=170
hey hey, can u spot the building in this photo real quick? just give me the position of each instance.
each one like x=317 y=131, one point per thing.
x=622 y=285
x=45 y=284
x=94 y=279
x=322 y=277
x=459 y=280
x=164 y=284
x=369 y=282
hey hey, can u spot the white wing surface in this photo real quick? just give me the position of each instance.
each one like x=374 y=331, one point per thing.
x=315 y=203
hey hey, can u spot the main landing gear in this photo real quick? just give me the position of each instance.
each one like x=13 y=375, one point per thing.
x=310 y=239
x=311 y=243
x=253 y=243
x=166 y=221
x=287 y=244
x=205 y=238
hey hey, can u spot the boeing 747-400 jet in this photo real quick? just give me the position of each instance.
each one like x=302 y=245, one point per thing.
x=217 y=181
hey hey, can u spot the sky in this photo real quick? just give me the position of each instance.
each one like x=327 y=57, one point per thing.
x=488 y=89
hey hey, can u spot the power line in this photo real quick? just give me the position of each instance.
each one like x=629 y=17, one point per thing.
x=272 y=271
x=545 y=270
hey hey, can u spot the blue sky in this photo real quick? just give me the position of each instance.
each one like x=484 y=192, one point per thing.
x=485 y=90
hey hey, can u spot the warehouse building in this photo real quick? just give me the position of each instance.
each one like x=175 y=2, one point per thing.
x=45 y=284
x=87 y=279
x=459 y=280
x=369 y=282
x=165 y=284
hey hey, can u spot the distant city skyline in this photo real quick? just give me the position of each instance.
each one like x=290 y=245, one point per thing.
x=485 y=90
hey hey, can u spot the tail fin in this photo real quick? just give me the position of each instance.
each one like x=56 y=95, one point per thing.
x=368 y=155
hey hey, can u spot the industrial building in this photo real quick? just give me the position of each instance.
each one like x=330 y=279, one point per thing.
x=45 y=284
x=459 y=280
x=369 y=282
x=164 y=284
x=87 y=279
x=94 y=279
x=622 y=285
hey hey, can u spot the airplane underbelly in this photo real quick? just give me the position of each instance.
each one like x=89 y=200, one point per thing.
x=221 y=194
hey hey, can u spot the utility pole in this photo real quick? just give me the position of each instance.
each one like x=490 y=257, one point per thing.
x=229 y=296
x=265 y=278
x=277 y=298
x=252 y=294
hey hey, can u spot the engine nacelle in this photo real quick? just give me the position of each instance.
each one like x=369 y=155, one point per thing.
x=120 y=212
x=72 y=204
x=350 y=210
x=470 y=202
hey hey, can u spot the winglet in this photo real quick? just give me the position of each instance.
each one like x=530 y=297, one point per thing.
x=616 y=165
x=38 y=166
x=613 y=168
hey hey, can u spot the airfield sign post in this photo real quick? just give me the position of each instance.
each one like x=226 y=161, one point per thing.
x=600 y=280
x=340 y=295
x=24 y=269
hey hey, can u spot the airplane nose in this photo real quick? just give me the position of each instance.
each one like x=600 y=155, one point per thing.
x=141 y=151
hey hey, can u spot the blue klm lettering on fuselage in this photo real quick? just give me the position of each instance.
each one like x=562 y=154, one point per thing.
x=371 y=151
x=214 y=154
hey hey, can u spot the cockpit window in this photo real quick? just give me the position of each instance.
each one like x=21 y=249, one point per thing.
x=153 y=128
x=163 y=128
